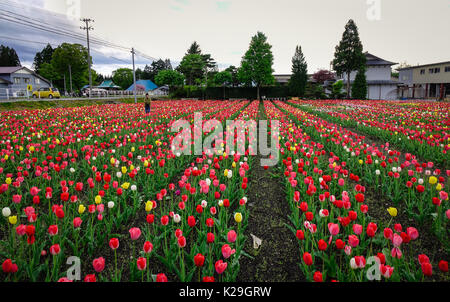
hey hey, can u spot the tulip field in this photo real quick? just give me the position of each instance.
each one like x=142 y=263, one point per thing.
x=103 y=193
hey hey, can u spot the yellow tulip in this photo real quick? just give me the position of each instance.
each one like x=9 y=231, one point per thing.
x=238 y=217
x=125 y=185
x=225 y=173
x=439 y=187
x=124 y=170
x=233 y=164
x=12 y=219
x=81 y=209
x=112 y=161
x=148 y=206
x=392 y=211
x=360 y=162
x=432 y=180
x=8 y=180
x=98 y=199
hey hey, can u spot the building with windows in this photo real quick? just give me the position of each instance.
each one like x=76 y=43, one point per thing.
x=20 y=77
x=380 y=84
x=425 y=81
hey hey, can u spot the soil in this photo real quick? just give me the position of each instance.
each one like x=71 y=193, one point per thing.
x=276 y=260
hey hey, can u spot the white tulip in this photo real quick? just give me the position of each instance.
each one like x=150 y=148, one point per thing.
x=6 y=212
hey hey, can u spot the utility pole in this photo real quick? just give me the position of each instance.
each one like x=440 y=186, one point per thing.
x=134 y=76
x=70 y=77
x=88 y=28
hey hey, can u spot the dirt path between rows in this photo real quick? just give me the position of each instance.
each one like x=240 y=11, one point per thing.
x=276 y=260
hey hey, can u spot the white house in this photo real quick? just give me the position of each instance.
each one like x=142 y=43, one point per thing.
x=380 y=85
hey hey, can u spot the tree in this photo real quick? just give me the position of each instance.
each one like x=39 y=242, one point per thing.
x=75 y=56
x=223 y=79
x=192 y=67
x=47 y=70
x=359 y=87
x=44 y=56
x=322 y=76
x=299 y=78
x=169 y=77
x=349 y=55
x=123 y=77
x=234 y=75
x=194 y=49
x=190 y=63
x=8 y=57
x=336 y=89
x=256 y=65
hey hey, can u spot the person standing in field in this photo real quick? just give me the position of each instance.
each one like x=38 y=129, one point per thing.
x=147 y=103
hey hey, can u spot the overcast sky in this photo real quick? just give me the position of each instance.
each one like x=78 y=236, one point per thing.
x=414 y=31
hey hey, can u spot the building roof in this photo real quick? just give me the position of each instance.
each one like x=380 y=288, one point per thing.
x=5 y=80
x=426 y=65
x=148 y=85
x=9 y=69
x=373 y=60
x=108 y=84
x=13 y=69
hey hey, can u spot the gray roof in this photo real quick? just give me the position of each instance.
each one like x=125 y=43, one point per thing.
x=9 y=70
x=5 y=80
x=426 y=65
x=376 y=61
x=376 y=82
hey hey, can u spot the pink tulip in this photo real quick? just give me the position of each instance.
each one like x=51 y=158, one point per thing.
x=412 y=232
x=220 y=266
x=357 y=229
x=231 y=236
x=397 y=240
x=227 y=251
x=333 y=228
x=396 y=253
x=17 y=198
x=353 y=240
x=135 y=233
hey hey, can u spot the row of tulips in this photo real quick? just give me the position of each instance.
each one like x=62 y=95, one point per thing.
x=405 y=181
x=338 y=239
x=418 y=128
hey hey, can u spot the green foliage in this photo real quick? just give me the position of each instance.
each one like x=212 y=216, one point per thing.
x=336 y=89
x=76 y=56
x=349 y=55
x=44 y=56
x=234 y=75
x=123 y=77
x=198 y=68
x=359 y=87
x=8 y=57
x=223 y=78
x=297 y=83
x=192 y=67
x=256 y=65
x=169 y=77
x=48 y=71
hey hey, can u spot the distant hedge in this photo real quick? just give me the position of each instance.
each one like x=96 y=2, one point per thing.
x=230 y=92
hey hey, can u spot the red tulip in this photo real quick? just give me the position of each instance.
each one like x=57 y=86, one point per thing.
x=99 y=264
x=141 y=263
x=199 y=260
x=114 y=243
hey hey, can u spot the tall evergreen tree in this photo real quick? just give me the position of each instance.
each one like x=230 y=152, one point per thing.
x=8 y=57
x=349 y=55
x=359 y=87
x=256 y=65
x=297 y=83
x=194 y=49
x=44 y=56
